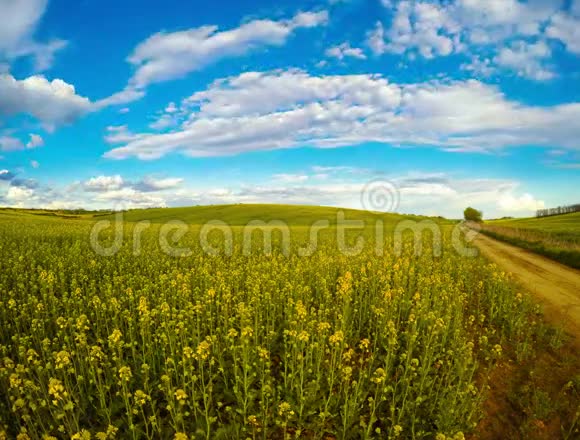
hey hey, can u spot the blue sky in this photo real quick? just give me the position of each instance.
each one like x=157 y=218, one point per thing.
x=146 y=103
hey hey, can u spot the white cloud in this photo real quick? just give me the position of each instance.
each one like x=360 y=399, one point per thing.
x=290 y=178
x=35 y=141
x=526 y=202
x=19 y=21
x=10 y=143
x=118 y=192
x=147 y=191
x=376 y=39
x=171 y=108
x=151 y=184
x=262 y=93
x=19 y=196
x=104 y=183
x=433 y=193
x=480 y=66
x=423 y=193
x=34 y=164
x=162 y=122
x=119 y=134
x=425 y=27
x=575 y=8
x=6 y=175
x=434 y=29
x=526 y=59
x=165 y=56
x=52 y=102
x=566 y=29
x=125 y=96
x=287 y=109
x=43 y=54
x=345 y=50
x=129 y=198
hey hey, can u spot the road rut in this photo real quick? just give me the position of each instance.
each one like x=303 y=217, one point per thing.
x=556 y=286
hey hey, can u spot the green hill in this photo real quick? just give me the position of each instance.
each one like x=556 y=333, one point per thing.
x=556 y=237
x=557 y=223
x=239 y=215
x=233 y=215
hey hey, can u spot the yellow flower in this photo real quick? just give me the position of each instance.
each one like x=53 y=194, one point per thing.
x=337 y=338
x=56 y=390
x=303 y=336
x=15 y=381
x=62 y=359
x=141 y=397
x=347 y=355
x=346 y=373
x=83 y=435
x=379 y=376
x=31 y=355
x=285 y=410
x=364 y=344
x=125 y=374
x=180 y=436
x=115 y=337
x=110 y=434
x=263 y=353
x=96 y=354
x=301 y=310
x=345 y=284
x=143 y=307
x=181 y=396
x=203 y=350
x=188 y=352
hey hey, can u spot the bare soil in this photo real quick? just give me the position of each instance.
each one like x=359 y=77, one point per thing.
x=557 y=287
x=538 y=399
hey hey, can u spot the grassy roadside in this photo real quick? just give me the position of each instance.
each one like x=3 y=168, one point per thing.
x=556 y=237
x=537 y=397
x=535 y=242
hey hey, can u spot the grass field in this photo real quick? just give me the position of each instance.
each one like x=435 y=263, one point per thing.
x=556 y=223
x=240 y=215
x=557 y=237
x=145 y=345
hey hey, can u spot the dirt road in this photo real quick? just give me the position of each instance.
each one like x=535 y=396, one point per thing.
x=556 y=286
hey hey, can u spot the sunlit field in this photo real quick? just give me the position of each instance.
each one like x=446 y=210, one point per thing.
x=557 y=237
x=146 y=345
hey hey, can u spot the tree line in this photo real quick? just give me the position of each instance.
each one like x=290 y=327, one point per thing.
x=557 y=211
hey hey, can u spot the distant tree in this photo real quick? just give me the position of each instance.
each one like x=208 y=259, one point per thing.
x=473 y=215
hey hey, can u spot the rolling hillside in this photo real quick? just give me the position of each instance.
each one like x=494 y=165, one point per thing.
x=239 y=215
x=568 y=223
